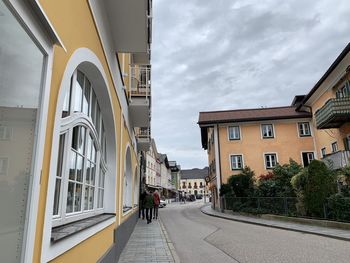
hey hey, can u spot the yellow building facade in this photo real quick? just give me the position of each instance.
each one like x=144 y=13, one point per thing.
x=77 y=83
x=314 y=126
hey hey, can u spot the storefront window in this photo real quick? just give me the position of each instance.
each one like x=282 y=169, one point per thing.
x=21 y=66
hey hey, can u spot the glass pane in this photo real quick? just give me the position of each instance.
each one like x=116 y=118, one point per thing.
x=78 y=89
x=60 y=155
x=21 y=68
x=70 y=197
x=56 y=203
x=100 y=198
x=86 y=97
x=66 y=104
x=81 y=141
x=86 y=197
x=98 y=116
x=93 y=153
x=72 y=165
x=93 y=107
x=80 y=163
x=91 y=197
x=92 y=174
x=75 y=137
x=77 y=198
x=88 y=172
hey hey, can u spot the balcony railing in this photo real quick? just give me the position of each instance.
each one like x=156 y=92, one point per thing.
x=337 y=160
x=140 y=82
x=143 y=137
x=333 y=114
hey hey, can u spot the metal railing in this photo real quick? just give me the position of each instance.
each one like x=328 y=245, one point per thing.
x=338 y=210
x=337 y=160
x=140 y=81
x=332 y=109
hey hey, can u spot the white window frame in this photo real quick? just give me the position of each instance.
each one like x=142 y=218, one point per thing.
x=6 y=133
x=79 y=119
x=308 y=157
x=323 y=152
x=262 y=130
x=231 y=161
x=336 y=148
x=265 y=162
x=301 y=131
x=235 y=138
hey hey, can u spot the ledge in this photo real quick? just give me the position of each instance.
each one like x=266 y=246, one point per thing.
x=61 y=232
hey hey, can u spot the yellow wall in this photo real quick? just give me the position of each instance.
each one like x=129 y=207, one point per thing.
x=287 y=144
x=63 y=14
x=325 y=137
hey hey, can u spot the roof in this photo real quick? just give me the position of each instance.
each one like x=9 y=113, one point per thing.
x=257 y=114
x=345 y=51
x=195 y=173
x=163 y=158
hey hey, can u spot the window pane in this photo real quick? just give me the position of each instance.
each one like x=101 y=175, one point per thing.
x=57 y=196
x=70 y=197
x=66 y=104
x=81 y=140
x=78 y=95
x=80 y=163
x=91 y=197
x=86 y=197
x=92 y=174
x=21 y=68
x=89 y=145
x=77 y=198
x=72 y=165
x=88 y=172
x=86 y=97
x=60 y=155
x=75 y=138
x=100 y=198
x=93 y=107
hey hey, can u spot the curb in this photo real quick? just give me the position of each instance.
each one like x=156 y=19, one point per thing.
x=274 y=226
x=169 y=242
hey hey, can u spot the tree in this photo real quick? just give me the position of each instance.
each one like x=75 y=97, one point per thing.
x=243 y=183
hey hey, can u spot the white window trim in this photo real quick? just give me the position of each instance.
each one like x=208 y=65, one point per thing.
x=298 y=131
x=2 y=158
x=228 y=132
x=302 y=159
x=235 y=154
x=50 y=251
x=266 y=153
x=273 y=131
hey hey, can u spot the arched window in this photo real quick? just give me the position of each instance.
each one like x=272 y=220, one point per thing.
x=81 y=166
x=127 y=194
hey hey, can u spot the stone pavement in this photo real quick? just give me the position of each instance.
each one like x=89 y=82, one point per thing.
x=148 y=243
x=316 y=230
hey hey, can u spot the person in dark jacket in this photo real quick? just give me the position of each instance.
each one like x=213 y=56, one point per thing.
x=149 y=206
x=142 y=203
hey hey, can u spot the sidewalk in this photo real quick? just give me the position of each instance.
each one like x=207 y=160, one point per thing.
x=148 y=243
x=315 y=230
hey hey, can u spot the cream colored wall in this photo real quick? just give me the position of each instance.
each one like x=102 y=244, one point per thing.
x=192 y=181
x=63 y=14
x=286 y=143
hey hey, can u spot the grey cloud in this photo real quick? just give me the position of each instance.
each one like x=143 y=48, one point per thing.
x=211 y=55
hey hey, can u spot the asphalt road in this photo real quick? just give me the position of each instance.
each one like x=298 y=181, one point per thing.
x=201 y=238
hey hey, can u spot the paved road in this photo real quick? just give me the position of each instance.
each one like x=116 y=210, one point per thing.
x=201 y=238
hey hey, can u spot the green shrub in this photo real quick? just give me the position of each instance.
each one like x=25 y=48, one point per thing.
x=339 y=207
x=320 y=184
x=225 y=190
x=243 y=184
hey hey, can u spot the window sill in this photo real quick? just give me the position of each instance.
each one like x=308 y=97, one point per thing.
x=60 y=232
x=127 y=210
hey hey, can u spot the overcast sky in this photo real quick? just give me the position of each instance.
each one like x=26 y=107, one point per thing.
x=226 y=54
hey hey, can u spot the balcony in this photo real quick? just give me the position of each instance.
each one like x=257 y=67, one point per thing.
x=140 y=95
x=333 y=114
x=337 y=160
x=131 y=27
x=143 y=138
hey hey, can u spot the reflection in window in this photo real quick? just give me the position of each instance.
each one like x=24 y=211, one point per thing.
x=21 y=69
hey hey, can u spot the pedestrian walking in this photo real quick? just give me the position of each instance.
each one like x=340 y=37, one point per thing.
x=156 y=201
x=142 y=203
x=149 y=206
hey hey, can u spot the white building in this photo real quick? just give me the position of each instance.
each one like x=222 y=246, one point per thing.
x=152 y=165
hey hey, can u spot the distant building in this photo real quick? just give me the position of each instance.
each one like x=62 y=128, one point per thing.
x=193 y=181
x=175 y=174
